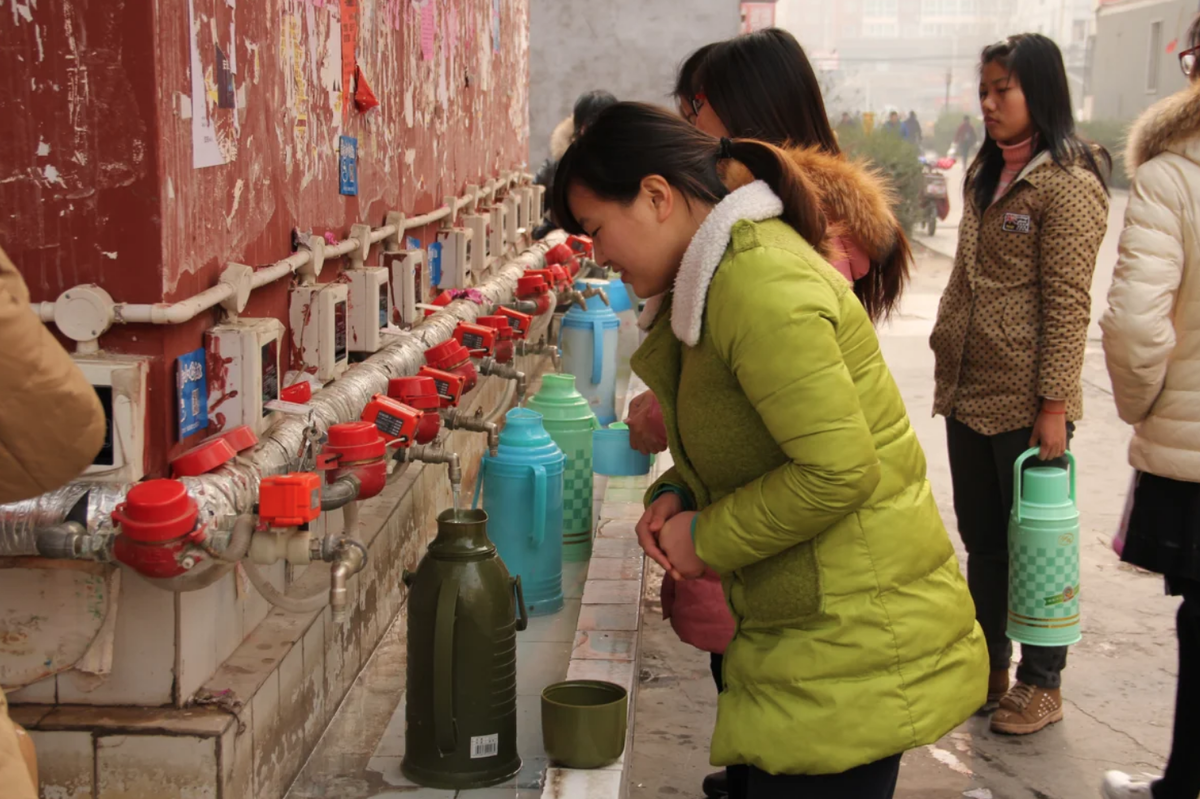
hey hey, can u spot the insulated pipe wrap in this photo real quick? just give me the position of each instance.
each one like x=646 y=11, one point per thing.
x=232 y=489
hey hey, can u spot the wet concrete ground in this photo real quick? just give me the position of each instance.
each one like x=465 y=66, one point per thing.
x=1120 y=681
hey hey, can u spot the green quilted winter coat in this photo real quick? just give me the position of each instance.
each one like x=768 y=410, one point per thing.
x=856 y=634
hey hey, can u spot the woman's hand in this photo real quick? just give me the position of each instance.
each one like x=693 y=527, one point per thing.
x=647 y=432
x=676 y=542
x=1050 y=430
x=655 y=517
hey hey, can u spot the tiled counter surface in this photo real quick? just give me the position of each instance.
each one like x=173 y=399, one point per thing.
x=594 y=636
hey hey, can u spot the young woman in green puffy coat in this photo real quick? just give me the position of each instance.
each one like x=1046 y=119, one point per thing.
x=797 y=476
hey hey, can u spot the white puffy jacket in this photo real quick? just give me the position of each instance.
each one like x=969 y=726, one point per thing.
x=1152 y=326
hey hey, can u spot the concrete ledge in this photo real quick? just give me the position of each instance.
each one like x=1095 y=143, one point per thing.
x=608 y=636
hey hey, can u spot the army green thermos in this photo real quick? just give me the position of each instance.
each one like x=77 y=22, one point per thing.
x=464 y=611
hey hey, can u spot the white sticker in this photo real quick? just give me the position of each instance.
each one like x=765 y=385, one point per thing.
x=485 y=746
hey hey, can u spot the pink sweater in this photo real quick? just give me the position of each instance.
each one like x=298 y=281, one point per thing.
x=1016 y=157
x=849 y=258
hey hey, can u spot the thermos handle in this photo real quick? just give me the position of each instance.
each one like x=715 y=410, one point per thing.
x=597 y=352
x=522 y=611
x=539 y=503
x=443 y=667
x=478 y=483
x=1018 y=469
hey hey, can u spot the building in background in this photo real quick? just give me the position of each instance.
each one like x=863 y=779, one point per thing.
x=757 y=16
x=628 y=47
x=883 y=55
x=1135 y=61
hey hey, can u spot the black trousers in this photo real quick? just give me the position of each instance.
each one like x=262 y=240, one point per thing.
x=981 y=470
x=873 y=781
x=1182 y=777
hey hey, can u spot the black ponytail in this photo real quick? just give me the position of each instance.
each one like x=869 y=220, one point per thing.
x=630 y=141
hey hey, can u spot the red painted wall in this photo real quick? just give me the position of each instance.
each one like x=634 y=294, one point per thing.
x=97 y=175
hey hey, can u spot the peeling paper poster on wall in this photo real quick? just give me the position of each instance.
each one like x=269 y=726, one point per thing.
x=349 y=55
x=428 y=28
x=348 y=165
x=214 y=97
x=495 y=26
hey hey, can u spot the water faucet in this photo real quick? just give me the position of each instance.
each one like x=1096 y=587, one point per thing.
x=491 y=367
x=428 y=453
x=458 y=419
x=541 y=348
x=348 y=557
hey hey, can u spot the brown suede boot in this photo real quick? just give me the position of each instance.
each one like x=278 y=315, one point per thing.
x=997 y=686
x=1027 y=709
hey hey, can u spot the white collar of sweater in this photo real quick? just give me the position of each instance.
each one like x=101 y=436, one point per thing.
x=754 y=202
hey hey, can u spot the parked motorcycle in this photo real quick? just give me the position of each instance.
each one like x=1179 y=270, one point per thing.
x=935 y=194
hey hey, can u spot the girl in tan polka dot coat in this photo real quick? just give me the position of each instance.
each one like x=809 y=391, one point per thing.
x=1011 y=332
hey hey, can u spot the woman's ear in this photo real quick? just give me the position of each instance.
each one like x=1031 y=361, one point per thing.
x=658 y=191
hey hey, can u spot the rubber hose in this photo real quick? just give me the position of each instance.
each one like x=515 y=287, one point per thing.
x=504 y=404
x=239 y=542
x=305 y=602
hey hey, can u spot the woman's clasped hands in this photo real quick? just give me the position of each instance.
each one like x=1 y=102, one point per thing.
x=665 y=534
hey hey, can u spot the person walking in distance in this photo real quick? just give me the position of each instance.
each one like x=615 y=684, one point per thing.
x=1152 y=346
x=965 y=140
x=1011 y=331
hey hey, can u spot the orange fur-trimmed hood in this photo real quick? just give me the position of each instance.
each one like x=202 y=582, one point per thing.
x=857 y=200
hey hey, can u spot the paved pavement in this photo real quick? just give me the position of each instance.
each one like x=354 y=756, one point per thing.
x=1119 y=685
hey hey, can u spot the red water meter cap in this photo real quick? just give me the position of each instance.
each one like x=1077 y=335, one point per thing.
x=581 y=244
x=299 y=393
x=450 y=385
x=289 y=500
x=357 y=448
x=559 y=254
x=480 y=340
x=504 y=350
x=353 y=442
x=419 y=392
x=447 y=355
x=442 y=300
x=156 y=511
x=394 y=420
x=243 y=437
x=203 y=458
x=561 y=278
x=519 y=322
x=572 y=267
x=531 y=286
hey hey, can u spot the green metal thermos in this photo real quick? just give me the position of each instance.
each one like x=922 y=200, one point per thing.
x=569 y=420
x=464 y=611
x=1043 y=553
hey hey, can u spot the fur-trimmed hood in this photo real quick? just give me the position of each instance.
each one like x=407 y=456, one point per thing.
x=856 y=199
x=1170 y=125
x=560 y=139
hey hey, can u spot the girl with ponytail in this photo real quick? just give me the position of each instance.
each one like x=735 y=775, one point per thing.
x=797 y=477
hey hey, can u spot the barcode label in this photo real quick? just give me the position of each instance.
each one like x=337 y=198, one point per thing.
x=485 y=746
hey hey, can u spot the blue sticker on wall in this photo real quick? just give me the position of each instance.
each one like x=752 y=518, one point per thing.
x=412 y=243
x=435 y=264
x=348 y=165
x=192 y=393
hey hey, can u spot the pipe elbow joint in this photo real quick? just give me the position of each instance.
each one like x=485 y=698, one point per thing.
x=341 y=492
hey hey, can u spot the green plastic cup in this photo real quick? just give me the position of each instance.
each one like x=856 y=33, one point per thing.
x=584 y=723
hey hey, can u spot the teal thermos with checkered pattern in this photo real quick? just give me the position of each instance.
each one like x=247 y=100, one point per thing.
x=522 y=489
x=1043 y=552
x=569 y=420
